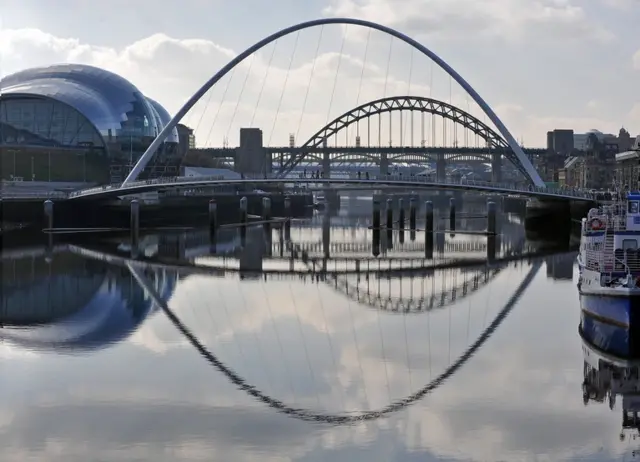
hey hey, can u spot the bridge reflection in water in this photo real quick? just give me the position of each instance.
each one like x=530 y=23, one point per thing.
x=313 y=328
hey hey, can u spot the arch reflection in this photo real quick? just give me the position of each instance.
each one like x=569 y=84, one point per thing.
x=66 y=303
x=333 y=418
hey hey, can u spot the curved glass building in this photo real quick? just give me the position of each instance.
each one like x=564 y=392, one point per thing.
x=77 y=123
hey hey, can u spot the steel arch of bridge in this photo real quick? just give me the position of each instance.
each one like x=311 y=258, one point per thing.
x=405 y=103
x=526 y=164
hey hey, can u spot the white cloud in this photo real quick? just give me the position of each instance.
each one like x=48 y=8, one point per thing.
x=636 y=60
x=510 y=19
x=171 y=69
x=621 y=4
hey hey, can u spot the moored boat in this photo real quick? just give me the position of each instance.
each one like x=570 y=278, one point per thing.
x=609 y=262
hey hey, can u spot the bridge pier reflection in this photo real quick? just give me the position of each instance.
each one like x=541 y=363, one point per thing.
x=326 y=235
x=401 y=222
x=253 y=251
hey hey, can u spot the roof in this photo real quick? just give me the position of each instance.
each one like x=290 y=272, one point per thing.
x=621 y=157
x=570 y=162
x=204 y=171
x=110 y=102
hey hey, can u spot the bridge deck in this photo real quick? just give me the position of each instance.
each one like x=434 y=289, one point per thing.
x=415 y=183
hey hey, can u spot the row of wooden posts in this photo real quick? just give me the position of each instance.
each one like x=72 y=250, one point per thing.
x=214 y=225
x=267 y=219
x=428 y=207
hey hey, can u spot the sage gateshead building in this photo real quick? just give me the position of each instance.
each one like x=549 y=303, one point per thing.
x=77 y=123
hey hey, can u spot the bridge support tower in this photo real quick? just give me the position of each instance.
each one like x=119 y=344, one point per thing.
x=251 y=157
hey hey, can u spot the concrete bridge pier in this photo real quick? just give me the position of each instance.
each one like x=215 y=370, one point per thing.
x=389 y=243
x=491 y=218
x=401 y=221
x=496 y=167
x=441 y=168
x=440 y=242
x=428 y=232
x=213 y=221
x=266 y=216
x=375 y=225
x=326 y=165
x=48 y=214
x=384 y=164
x=243 y=220
x=492 y=247
x=287 y=214
x=134 y=226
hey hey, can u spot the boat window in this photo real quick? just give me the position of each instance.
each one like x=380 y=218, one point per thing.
x=633 y=206
x=629 y=244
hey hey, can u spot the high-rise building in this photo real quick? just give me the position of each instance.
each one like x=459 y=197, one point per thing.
x=187 y=139
x=560 y=141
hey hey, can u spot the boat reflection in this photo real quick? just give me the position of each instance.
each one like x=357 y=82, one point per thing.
x=611 y=369
x=59 y=301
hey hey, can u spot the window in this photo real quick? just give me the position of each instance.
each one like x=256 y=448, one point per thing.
x=45 y=122
x=633 y=206
x=629 y=244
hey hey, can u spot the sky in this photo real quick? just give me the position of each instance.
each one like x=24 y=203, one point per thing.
x=540 y=64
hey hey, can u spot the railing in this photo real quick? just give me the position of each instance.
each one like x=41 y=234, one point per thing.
x=603 y=256
x=508 y=187
x=29 y=194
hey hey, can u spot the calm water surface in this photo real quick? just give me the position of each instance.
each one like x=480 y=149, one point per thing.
x=120 y=361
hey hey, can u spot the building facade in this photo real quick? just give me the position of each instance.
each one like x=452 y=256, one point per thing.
x=628 y=167
x=594 y=168
x=622 y=142
x=77 y=123
x=560 y=142
x=187 y=140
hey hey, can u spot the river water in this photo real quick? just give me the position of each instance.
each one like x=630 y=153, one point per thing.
x=254 y=355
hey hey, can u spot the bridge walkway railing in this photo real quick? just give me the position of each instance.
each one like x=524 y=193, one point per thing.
x=513 y=188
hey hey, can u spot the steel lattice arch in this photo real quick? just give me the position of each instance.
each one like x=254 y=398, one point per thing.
x=495 y=142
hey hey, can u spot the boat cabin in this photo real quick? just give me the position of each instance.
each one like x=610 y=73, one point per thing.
x=633 y=211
